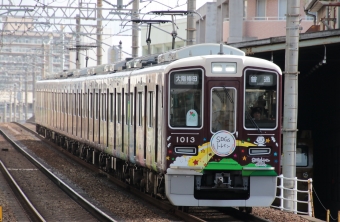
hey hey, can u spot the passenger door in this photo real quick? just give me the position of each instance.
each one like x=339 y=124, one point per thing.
x=222 y=106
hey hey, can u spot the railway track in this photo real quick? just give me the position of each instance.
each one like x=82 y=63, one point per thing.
x=41 y=194
x=186 y=214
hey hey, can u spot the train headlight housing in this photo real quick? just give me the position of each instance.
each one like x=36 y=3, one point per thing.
x=186 y=150
x=259 y=151
x=305 y=175
x=223 y=67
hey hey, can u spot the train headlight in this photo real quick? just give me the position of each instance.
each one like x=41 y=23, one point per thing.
x=223 y=67
x=217 y=67
x=305 y=175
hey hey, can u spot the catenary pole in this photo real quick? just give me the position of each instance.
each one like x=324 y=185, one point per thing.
x=135 y=32
x=77 y=41
x=191 y=22
x=290 y=99
x=99 y=32
x=33 y=87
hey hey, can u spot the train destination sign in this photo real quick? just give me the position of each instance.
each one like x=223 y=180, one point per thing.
x=186 y=79
x=261 y=80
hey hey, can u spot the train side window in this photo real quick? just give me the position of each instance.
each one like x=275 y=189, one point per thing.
x=156 y=124
x=102 y=107
x=79 y=103
x=96 y=106
x=111 y=107
x=162 y=96
x=86 y=105
x=83 y=105
x=75 y=107
x=131 y=109
x=101 y=116
x=119 y=108
x=150 y=109
x=67 y=110
x=62 y=103
x=126 y=109
x=140 y=105
x=70 y=99
x=91 y=105
x=105 y=107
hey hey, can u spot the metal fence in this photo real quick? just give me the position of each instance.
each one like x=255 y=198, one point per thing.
x=309 y=202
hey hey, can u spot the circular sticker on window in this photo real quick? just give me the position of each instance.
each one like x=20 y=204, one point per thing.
x=223 y=143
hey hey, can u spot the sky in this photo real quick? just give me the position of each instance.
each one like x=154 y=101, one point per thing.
x=113 y=28
x=159 y=5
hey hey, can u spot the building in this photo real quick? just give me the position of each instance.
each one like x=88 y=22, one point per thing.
x=326 y=14
x=26 y=56
x=237 y=21
x=228 y=21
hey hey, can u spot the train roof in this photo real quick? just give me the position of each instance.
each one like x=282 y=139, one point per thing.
x=150 y=60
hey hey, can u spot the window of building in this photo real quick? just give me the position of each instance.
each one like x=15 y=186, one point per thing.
x=260 y=9
x=282 y=9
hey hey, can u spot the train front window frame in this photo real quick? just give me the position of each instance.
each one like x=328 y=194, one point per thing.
x=223 y=109
x=260 y=99
x=185 y=99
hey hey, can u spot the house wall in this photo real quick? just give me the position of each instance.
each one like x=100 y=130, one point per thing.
x=270 y=26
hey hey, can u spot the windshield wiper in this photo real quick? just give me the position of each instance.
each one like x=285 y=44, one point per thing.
x=228 y=95
x=253 y=122
x=249 y=116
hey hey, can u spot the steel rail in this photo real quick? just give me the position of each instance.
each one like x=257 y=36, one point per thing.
x=93 y=210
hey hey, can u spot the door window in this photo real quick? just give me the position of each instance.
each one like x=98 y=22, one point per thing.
x=223 y=109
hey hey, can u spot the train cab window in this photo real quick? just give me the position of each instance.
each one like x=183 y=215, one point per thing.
x=186 y=99
x=302 y=156
x=260 y=99
x=223 y=108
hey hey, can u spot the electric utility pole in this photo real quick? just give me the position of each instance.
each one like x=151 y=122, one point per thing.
x=290 y=100
x=191 y=28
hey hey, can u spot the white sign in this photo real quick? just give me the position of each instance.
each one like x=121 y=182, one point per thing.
x=223 y=143
x=260 y=161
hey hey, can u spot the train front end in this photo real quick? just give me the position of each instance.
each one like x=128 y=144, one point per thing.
x=222 y=134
